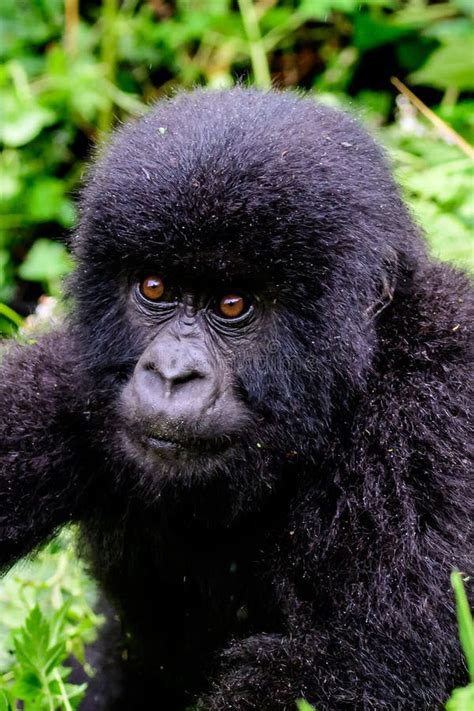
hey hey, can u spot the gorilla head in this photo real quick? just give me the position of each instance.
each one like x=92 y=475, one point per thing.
x=234 y=252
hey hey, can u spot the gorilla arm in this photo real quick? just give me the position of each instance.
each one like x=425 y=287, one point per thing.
x=40 y=486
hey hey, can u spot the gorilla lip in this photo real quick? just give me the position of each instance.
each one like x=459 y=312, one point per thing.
x=159 y=443
x=169 y=445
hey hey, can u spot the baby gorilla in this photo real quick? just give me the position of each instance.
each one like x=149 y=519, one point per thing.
x=257 y=412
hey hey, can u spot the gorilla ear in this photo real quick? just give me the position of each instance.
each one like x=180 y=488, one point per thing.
x=388 y=281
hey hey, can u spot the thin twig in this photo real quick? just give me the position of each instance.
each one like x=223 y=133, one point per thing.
x=444 y=128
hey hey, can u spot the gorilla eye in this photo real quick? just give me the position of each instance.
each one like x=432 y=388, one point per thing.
x=152 y=288
x=231 y=306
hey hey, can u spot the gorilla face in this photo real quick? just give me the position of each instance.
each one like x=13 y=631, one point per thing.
x=215 y=379
x=181 y=403
x=232 y=253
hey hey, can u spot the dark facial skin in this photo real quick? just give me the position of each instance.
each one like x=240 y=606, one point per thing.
x=181 y=402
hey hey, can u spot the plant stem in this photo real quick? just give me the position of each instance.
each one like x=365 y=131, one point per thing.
x=47 y=691
x=71 y=16
x=450 y=96
x=62 y=691
x=258 y=57
x=108 y=53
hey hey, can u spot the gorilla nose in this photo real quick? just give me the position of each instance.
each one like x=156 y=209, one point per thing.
x=174 y=380
x=174 y=374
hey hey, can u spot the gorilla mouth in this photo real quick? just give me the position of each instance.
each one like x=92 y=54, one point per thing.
x=171 y=447
x=158 y=443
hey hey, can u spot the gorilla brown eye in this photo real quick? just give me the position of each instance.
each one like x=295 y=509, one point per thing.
x=152 y=288
x=231 y=306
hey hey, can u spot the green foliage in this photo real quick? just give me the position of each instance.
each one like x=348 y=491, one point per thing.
x=438 y=184
x=46 y=262
x=465 y=621
x=463 y=699
x=46 y=616
x=447 y=66
x=40 y=649
x=303 y=705
x=10 y=321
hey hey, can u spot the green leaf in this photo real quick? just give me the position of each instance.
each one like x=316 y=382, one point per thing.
x=371 y=32
x=31 y=641
x=21 y=119
x=44 y=197
x=28 y=686
x=303 y=705
x=75 y=693
x=461 y=699
x=4 y=702
x=321 y=9
x=25 y=126
x=464 y=5
x=445 y=30
x=57 y=622
x=55 y=655
x=37 y=628
x=465 y=621
x=449 y=66
x=47 y=261
x=11 y=315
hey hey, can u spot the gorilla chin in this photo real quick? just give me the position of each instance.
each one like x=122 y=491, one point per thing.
x=169 y=450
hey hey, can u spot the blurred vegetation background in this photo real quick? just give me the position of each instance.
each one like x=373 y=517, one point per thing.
x=72 y=70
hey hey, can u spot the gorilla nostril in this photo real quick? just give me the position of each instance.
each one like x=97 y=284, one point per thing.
x=173 y=376
x=186 y=377
x=152 y=367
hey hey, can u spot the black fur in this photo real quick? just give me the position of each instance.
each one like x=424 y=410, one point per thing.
x=313 y=561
